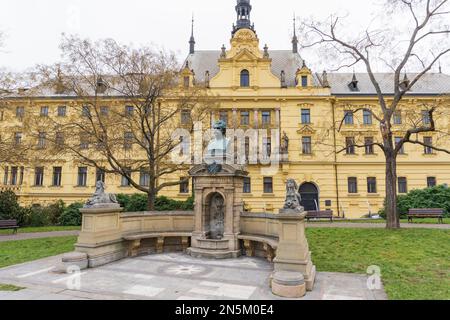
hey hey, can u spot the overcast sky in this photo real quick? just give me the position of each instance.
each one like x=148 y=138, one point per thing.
x=34 y=28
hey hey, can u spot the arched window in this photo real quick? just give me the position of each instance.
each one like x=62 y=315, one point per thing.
x=245 y=78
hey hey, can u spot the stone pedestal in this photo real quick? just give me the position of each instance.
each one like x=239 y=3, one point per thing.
x=218 y=207
x=101 y=235
x=288 y=284
x=74 y=259
x=293 y=253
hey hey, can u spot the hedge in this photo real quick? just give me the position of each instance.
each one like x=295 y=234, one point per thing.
x=436 y=197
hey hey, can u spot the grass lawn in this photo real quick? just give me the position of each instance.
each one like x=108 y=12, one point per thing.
x=405 y=221
x=414 y=263
x=15 y=252
x=40 y=229
x=9 y=287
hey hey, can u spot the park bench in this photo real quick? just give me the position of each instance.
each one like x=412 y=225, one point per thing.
x=426 y=213
x=9 y=224
x=327 y=214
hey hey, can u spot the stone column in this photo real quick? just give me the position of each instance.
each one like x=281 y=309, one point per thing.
x=235 y=118
x=278 y=118
x=256 y=119
x=293 y=253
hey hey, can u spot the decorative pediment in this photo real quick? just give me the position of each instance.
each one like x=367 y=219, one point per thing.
x=306 y=130
x=245 y=56
x=217 y=170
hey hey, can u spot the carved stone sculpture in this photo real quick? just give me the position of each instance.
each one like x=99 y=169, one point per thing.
x=101 y=199
x=293 y=198
x=284 y=144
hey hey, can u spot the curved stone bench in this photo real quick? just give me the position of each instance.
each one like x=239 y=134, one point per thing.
x=270 y=245
x=134 y=240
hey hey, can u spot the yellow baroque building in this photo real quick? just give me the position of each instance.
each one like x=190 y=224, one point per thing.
x=274 y=89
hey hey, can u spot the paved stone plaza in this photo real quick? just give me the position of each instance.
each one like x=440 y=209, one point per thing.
x=173 y=276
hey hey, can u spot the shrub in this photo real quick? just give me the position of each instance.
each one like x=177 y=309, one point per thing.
x=71 y=215
x=9 y=207
x=55 y=210
x=37 y=216
x=436 y=197
x=138 y=202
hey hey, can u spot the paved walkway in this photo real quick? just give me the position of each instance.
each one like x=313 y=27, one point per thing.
x=37 y=235
x=363 y=225
x=171 y=276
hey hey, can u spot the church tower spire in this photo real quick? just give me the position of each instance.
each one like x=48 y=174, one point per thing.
x=192 y=40
x=243 y=10
x=294 y=38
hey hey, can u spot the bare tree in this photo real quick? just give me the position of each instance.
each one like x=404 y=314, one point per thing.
x=128 y=103
x=415 y=36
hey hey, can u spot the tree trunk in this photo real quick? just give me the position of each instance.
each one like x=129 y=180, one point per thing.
x=151 y=197
x=392 y=216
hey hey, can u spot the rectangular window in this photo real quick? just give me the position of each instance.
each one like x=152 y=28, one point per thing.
x=57 y=176
x=104 y=111
x=267 y=145
x=39 y=176
x=350 y=145
x=306 y=145
x=348 y=117
x=44 y=112
x=353 y=185
x=372 y=185
x=223 y=115
x=144 y=178
x=22 y=169
x=398 y=117
x=125 y=182
x=128 y=140
x=367 y=117
x=129 y=111
x=184 y=186
x=426 y=117
x=245 y=118
x=402 y=185
x=100 y=175
x=62 y=111
x=186 y=81
x=368 y=142
x=306 y=116
x=42 y=140
x=20 y=112
x=59 y=139
x=17 y=138
x=431 y=182
x=6 y=176
x=268 y=185
x=247 y=148
x=247 y=185
x=266 y=118
x=397 y=141
x=14 y=175
x=304 y=81
x=428 y=141
x=86 y=111
x=82 y=176
x=185 y=116
x=84 y=141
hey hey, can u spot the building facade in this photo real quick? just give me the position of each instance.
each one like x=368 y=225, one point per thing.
x=321 y=119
